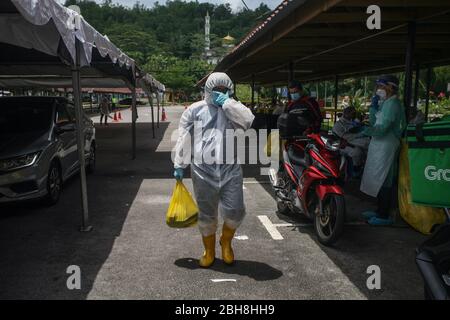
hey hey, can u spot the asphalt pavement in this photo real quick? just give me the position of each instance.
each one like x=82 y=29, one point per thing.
x=132 y=254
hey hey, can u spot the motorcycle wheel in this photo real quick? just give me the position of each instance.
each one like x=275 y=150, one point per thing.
x=330 y=225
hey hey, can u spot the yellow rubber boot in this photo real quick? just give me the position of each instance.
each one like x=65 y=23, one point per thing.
x=210 y=251
x=225 y=242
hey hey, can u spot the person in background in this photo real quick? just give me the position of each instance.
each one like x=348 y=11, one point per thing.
x=288 y=120
x=104 y=110
x=217 y=184
x=357 y=144
x=300 y=99
x=387 y=123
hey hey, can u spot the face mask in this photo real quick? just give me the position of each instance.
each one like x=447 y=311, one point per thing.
x=295 y=96
x=381 y=93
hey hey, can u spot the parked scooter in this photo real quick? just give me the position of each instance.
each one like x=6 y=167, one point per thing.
x=433 y=261
x=311 y=183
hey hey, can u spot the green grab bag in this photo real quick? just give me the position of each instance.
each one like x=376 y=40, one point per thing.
x=429 y=162
x=421 y=218
x=182 y=211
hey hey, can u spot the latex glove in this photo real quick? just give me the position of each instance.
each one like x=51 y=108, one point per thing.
x=219 y=98
x=178 y=174
x=375 y=101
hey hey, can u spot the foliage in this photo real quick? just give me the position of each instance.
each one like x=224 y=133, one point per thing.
x=357 y=100
x=440 y=107
x=244 y=92
x=169 y=38
x=177 y=74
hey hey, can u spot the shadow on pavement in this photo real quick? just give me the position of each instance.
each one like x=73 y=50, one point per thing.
x=256 y=270
x=360 y=246
x=38 y=244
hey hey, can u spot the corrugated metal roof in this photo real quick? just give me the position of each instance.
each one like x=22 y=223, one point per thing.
x=278 y=10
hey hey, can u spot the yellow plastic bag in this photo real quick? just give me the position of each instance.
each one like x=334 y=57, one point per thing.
x=272 y=140
x=182 y=212
x=420 y=218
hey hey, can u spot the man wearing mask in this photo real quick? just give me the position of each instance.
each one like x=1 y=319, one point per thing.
x=217 y=185
x=299 y=99
x=387 y=123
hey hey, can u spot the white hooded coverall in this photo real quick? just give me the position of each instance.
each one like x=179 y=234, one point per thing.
x=202 y=129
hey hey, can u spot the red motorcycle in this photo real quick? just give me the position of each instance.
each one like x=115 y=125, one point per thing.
x=311 y=183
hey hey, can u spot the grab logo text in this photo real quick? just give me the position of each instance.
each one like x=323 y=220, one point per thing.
x=432 y=173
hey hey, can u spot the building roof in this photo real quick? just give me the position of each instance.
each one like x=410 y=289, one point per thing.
x=324 y=38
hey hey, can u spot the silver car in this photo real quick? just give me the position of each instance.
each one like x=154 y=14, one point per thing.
x=38 y=148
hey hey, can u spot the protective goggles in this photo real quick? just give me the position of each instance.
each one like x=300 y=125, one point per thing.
x=221 y=89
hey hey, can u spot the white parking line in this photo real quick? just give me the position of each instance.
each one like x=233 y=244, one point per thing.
x=271 y=228
x=292 y=225
x=253 y=181
x=241 y=237
x=223 y=280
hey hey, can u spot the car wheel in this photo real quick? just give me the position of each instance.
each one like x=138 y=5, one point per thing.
x=90 y=168
x=54 y=184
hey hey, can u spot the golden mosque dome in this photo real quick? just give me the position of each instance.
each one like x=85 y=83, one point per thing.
x=228 y=38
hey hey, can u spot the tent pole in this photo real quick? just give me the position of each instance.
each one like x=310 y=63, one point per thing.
x=133 y=122
x=427 y=99
x=76 y=82
x=416 y=86
x=150 y=99
x=409 y=67
x=157 y=106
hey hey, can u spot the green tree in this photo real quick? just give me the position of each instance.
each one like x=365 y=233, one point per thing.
x=168 y=39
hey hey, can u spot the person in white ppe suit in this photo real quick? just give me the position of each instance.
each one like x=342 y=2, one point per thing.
x=217 y=180
x=387 y=124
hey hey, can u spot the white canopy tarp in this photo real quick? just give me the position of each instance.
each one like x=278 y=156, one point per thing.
x=39 y=13
x=43 y=44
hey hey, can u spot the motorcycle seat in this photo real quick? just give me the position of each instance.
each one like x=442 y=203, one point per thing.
x=296 y=156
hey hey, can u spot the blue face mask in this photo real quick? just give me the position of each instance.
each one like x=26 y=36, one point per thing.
x=295 y=96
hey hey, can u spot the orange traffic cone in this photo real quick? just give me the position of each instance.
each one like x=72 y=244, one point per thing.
x=115 y=117
x=163 y=115
x=120 y=116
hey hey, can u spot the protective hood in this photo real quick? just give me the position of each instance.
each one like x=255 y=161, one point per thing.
x=217 y=79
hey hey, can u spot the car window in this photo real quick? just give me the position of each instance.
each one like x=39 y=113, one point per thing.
x=25 y=114
x=62 y=115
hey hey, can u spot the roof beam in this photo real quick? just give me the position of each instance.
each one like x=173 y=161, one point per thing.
x=399 y=16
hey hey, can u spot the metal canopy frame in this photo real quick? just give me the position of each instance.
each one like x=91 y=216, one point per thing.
x=325 y=38
x=24 y=66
